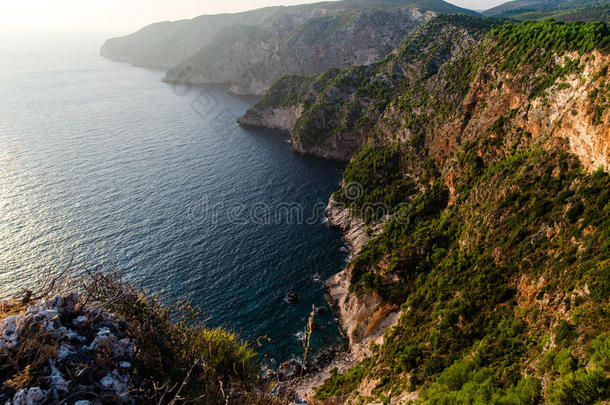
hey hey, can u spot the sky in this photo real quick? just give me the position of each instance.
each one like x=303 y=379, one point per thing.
x=119 y=17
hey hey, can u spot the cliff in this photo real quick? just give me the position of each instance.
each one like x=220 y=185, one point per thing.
x=411 y=91
x=477 y=205
x=165 y=44
x=252 y=58
x=251 y=49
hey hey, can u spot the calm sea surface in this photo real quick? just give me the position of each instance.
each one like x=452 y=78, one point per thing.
x=103 y=162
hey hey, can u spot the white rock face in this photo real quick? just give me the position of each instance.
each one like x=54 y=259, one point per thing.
x=32 y=396
x=10 y=328
x=62 y=321
x=282 y=119
x=353 y=228
x=356 y=314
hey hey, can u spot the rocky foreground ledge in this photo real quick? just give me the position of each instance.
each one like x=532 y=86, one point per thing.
x=109 y=344
x=72 y=352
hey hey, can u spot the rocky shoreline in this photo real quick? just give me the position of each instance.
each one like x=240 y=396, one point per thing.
x=361 y=319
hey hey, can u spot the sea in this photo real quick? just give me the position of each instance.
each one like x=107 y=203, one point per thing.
x=104 y=165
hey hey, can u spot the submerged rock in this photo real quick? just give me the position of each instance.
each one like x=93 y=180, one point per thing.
x=292 y=298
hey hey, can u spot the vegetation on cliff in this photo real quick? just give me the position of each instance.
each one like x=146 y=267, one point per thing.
x=565 y=10
x=251 y=49
x=425 y=80
x=495 y=285
x=495 y=238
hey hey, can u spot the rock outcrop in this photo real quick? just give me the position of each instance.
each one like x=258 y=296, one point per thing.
x=354 y=229
x=81 y=339
x=282 y=118
x=335 y=41
x=361 y=319
x=503 y=154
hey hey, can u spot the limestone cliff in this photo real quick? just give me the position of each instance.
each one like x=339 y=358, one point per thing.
x=253 y=57
x=483 y=140
x=282 y=118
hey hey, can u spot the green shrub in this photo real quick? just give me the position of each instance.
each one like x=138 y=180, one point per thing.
x=410 y=358
x=339 y=385
x=575 y=212
x=601 y=351
x=174 y=347
x=583 y=387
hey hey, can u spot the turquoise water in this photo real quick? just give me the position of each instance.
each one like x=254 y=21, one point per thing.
x=103 y=162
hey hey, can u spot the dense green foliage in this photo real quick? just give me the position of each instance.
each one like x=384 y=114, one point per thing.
x=341 y=384
x=587 y=14
x=424 y=82
x=565 y=10
x=376 y=174
x=533 y=44
x=287 y=91
x=462 y=275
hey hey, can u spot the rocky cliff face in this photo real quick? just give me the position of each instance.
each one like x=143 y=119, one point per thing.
x=483 y=141
x=166 y=44
x=252 y=58
x=282 y=119
x=394 y=99
x=338 y=41
x=251 y=49
x=230 y=52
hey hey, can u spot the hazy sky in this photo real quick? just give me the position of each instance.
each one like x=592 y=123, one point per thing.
x=119 y=17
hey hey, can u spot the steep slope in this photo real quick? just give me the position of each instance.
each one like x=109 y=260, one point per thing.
x=476 y=154
x=251 y=49
x=253 y=58
x=168 y=43
x=399 y=98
